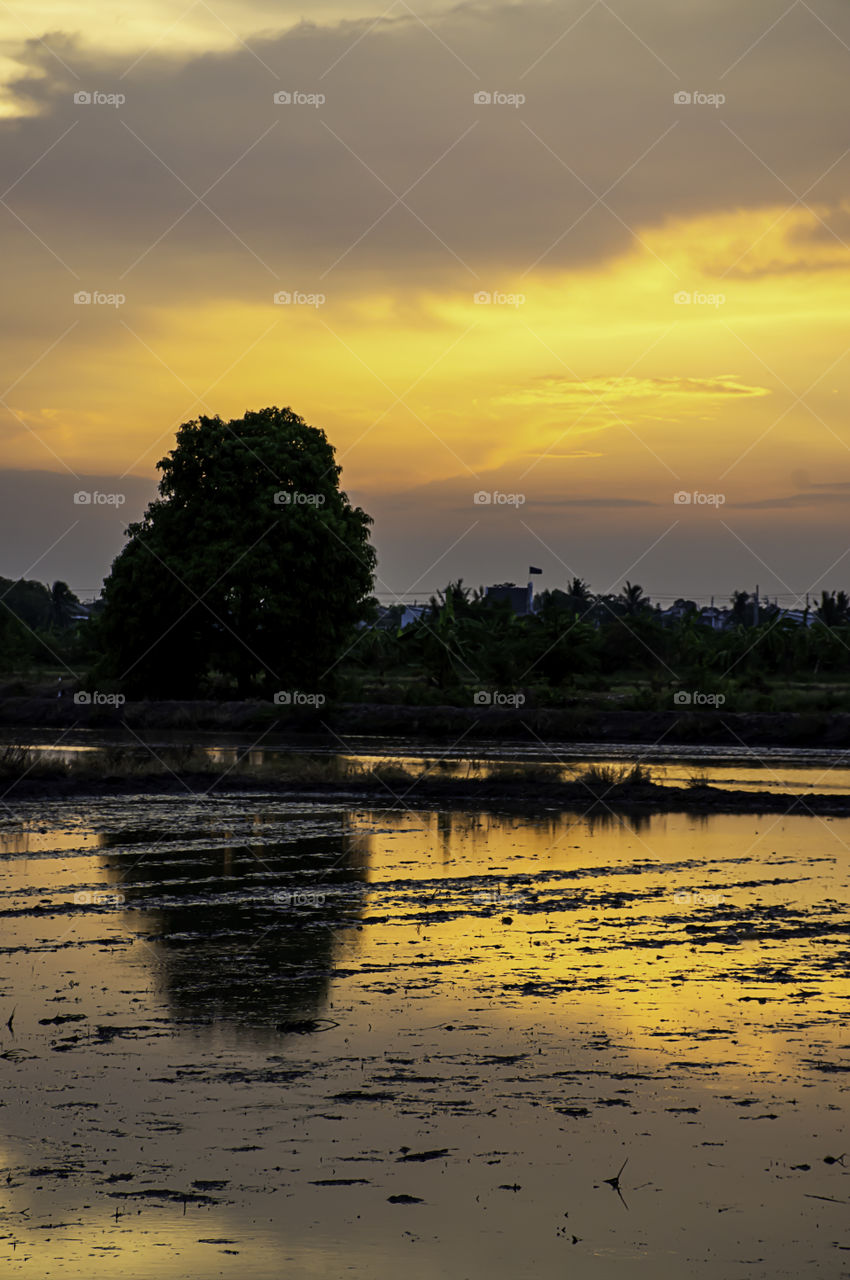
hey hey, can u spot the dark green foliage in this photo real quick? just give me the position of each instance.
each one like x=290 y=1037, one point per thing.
x=38 y=624
x=218 y=577
x=17 y=645
x=64 y=607
x=577 y=644
x=28 y=600
x=833 y=610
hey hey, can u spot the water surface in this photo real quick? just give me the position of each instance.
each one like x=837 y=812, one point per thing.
x=789 y=770
x=243 y=1028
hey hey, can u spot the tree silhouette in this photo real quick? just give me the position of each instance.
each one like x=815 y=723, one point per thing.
x=833 y=609
x=579 y=595
x=63 y=606
x=252 y=564
x=742 y=608
x=633 y=599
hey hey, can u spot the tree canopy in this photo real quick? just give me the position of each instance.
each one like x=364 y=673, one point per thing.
x=252 y=567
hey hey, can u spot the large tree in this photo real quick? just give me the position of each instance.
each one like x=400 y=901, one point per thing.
x=252 y=563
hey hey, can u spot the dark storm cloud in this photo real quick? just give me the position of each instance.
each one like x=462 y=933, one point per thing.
x=490 y=188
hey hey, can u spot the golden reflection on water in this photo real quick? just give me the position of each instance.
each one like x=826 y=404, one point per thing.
x=736 y=882
x=670 y=962
x=24 y=839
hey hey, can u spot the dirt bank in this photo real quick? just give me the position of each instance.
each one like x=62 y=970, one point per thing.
x=527 y=795
x=526 y=724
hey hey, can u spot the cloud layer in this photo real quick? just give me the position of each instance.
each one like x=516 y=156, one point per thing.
x=582 y=198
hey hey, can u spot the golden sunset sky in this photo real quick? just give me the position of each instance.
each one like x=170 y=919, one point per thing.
x=584 y=211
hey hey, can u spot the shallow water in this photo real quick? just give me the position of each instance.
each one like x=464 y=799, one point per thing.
x=239 y=1025
x=788 y=770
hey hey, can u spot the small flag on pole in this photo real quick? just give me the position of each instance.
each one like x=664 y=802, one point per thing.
x=531 y=569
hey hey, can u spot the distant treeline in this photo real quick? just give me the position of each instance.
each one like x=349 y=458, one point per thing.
x=575 y=638
x=462 y=642
x=36 y=619
x=251 y=575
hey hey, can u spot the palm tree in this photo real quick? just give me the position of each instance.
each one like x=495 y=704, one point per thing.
x=455 y=595
x=438 y=637
x=633 y=600
x=579 y=596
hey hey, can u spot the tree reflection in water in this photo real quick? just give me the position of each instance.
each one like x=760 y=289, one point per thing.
x=245 y=934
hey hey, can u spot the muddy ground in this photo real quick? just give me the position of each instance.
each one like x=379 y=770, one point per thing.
x=526 y=795
x=527 y=723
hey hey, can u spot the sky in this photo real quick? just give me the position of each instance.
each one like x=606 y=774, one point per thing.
x=565 y=284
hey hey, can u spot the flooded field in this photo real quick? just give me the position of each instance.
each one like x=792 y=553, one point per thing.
x=253 y=1038
x=786 y=770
